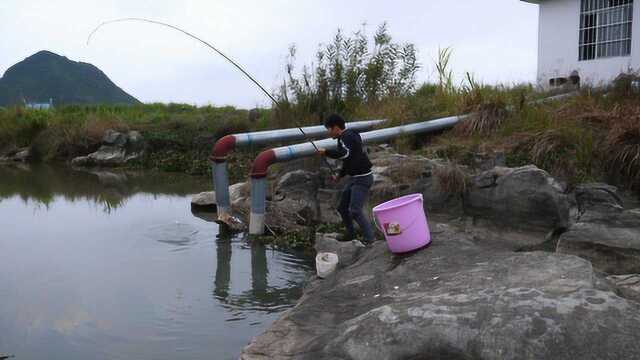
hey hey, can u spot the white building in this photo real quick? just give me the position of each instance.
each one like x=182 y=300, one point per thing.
x=39 y=106
x=586 y=41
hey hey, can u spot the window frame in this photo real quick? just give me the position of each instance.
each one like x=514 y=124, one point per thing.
x=590 y=47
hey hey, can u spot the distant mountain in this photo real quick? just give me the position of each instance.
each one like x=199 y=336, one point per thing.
x=46 y=75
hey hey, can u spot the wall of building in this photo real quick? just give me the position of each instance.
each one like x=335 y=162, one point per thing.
x=558 y=46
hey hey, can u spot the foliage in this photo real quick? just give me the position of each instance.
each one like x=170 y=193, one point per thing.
x=179 y=137
x=350 y=71
x=451 y=178
x=623 y=148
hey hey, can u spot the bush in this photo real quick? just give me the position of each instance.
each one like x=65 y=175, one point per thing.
x=349 y=72
x=451 y=178
x=626 y=85
x=623 y=149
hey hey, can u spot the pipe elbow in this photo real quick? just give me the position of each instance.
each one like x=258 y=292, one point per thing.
x=262 y=162
x=222 y=148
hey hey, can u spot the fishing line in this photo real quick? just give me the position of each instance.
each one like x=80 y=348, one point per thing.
x=219 y=53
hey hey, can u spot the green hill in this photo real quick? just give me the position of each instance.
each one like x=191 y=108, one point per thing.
x=46 y=75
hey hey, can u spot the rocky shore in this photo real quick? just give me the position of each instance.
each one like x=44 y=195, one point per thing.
x=520 y=268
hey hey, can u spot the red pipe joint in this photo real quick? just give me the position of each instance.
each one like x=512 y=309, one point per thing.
x=222 y=148
x=262 y=162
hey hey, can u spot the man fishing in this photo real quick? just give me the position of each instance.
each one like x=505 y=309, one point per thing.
x=355 y=164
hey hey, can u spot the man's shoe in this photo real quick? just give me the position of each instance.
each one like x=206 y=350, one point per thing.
x=368 y=243
x=358 y=243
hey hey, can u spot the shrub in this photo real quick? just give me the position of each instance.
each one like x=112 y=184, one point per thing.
x=349 y=71
x=451 y=178
x=623 y=149
x=626 y=85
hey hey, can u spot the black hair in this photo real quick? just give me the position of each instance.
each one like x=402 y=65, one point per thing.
x=334 y=120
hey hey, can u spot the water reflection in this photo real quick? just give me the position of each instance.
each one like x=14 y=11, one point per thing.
x=109 y=189
x=134 y=277
x=262 y=296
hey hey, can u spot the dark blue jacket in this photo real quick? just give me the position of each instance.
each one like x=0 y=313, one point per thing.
x=355 y=161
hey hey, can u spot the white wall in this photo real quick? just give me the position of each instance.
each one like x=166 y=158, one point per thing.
x=558 y=37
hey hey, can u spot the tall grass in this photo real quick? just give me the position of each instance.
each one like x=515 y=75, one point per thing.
x=179 y=136
x=350 y=72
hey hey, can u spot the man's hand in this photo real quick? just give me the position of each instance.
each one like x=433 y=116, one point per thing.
x=335 y=178
x=322 y=152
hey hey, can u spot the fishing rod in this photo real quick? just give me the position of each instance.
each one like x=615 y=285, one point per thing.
x=207 y=44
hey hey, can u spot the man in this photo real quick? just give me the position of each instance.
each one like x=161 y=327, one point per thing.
x=357 y=166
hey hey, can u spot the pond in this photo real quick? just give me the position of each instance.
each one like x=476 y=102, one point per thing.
x=113 y=265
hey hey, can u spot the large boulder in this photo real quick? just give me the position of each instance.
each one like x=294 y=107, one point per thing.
x=347 y=251
x=525 y=198
x=206 y=201
x=294 y=205
x=597 y=201
x=107 y=155
x=396 y=175
x=114 y=138
x=135 y=142
x=117 y=149
x=628 y=285
x=605 y=233
x=456 y=300
x=13 y=154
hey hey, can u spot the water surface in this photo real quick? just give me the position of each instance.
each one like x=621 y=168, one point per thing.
x=114 y=266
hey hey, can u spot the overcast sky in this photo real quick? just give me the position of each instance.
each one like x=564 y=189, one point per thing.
x=495 y=40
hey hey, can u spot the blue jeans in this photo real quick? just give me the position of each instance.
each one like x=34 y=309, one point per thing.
x=352 y=201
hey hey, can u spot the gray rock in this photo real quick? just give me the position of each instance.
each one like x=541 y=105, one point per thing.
x=21 y=156
x=611 y=243
x=396 y=175
x=604 y=233
x=114 y=138
x=347 y=251
x=205 y=200
x=327 y=202
x=239 y=192
x=487 y=161
x=134 y=156
x=525 y=197
x=135 y=143
x=14 y=154
x=134 y=137
x=298 y=181
x=456 y=300
x=8 y=150
x=294 y=204
x=597 y=201
x=628 y=285
x=105 y=156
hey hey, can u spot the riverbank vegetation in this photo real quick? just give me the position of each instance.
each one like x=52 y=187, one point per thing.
x=594 y=135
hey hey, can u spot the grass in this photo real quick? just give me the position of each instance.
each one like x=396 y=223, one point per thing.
x=451 y=178
x=592 y=136
x=179 y=137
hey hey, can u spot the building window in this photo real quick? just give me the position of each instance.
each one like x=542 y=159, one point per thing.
x=605 y=28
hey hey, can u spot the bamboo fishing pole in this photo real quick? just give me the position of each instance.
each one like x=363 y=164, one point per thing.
x=207 y=44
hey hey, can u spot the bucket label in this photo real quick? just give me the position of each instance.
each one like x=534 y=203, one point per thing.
x=392 y=228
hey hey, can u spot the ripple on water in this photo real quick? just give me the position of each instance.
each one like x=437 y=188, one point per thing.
x=181 y=236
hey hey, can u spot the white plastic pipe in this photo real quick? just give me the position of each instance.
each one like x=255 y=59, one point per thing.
x=228 y=143
x=287 y=153
x=270 y=136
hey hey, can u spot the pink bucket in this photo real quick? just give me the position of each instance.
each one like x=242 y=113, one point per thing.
x=403 y=223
